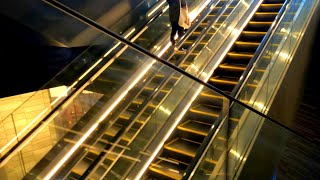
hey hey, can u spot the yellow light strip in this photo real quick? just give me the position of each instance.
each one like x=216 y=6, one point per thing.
x=195 y=13
x=156 y=8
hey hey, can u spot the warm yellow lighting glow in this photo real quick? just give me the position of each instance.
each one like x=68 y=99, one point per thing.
x=164 y=49
x=260 y=106
x=235 y=153
x=132 y=30
x=155 y=9
x=165 y=110
x=58 y=91
x=197 y=11
x=284 y=55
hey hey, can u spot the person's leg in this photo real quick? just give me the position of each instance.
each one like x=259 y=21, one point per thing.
x=180 y=31
x=175 y=27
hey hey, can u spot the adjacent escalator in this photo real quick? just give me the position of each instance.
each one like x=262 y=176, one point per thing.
x=182 y=145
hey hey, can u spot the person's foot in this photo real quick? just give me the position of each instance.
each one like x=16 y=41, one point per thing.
x=182 y=50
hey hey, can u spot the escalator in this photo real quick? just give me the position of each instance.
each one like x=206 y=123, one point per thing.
x=112 y=129
x=137 y=110
x=182 y=145
x=142 y=105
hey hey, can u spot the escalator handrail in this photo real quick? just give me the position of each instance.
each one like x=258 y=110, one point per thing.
x=161 y=60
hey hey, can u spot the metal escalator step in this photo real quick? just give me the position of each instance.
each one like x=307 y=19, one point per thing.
x=189 y=42
x=211 y=97
x=138 y=101
x=115 y=128
x=195 y=127
x=240 y=55
x=183 y=146
x=207 y=110
x=152 y=87
x=81 y=167
x=260 y=23
x=233 y=67
x=242 y=43
x=211 y=94
x=166 y=170
x=224 y=80
x=255 y=33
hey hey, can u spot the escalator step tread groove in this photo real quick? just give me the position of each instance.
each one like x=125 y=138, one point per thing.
x=211 y=94
x=240 y=67
x=225 y=80
x=167 y=169
x=212 y=111
x=195 y=127
x=183 y=146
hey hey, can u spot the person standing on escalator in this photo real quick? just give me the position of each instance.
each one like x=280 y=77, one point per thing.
x=174 y=13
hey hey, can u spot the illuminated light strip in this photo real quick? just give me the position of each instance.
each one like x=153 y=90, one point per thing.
x=155 y=152
x=83 y=138
x=23 y=130
x=164 y=49
x=155 y=9
x=194 y=14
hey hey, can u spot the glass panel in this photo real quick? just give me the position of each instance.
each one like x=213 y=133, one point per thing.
x=263 y=80
x=257 y=148
x=280 y=154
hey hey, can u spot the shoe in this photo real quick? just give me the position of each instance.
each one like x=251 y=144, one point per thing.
x=182 y=51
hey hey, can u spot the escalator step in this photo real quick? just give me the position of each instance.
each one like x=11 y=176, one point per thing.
x=264 y=16
x=245 y=47
x=271 y=7
x=195 y=127
x=183 y=146
x=165 y=170
x=205 y=113
x=252 y=36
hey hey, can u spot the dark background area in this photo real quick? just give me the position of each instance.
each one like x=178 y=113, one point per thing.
x=27 y=62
